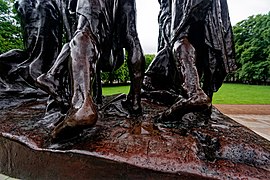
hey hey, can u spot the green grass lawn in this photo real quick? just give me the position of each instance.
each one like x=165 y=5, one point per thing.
x=227 y=94
x=242 y=94
x=115 y=90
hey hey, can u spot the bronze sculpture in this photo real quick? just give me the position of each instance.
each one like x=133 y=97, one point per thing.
x=195 y=46
x=104 y=29
x=41 y=23
x=191 y=52
x=96 y=33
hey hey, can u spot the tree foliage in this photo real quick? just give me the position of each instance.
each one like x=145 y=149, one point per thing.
x=121 y=75
x=10 y=31
x=252 y=43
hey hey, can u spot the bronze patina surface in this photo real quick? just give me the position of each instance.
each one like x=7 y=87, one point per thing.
x=164 y=128
x=120 y=147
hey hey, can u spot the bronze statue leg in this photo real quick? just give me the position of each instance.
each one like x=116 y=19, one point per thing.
x=136 y=60
x=84 y=56
x=184 y=56
x=50 y=81
x=194 y=98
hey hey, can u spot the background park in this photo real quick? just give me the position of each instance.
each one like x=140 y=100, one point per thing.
x=248 y=85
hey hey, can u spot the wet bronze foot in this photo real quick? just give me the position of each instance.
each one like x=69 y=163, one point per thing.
x=132 y=106
x=196 y=103
x=75 y=121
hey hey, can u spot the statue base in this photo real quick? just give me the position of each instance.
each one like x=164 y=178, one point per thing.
x=127 y=148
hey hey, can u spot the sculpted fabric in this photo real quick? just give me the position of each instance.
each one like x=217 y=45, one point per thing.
x=207 y=25
x=104 y=19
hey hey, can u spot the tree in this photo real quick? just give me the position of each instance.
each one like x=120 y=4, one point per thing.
x=10 y=31
x=252 y=43
x=148 y=59
x=121 y=75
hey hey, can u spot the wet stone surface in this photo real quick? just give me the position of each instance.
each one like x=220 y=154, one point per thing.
x=193 y=147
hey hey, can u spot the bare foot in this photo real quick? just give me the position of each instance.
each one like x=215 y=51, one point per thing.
x=200 y=100
x=196 y=103
x=133 y=105
x=77 y=119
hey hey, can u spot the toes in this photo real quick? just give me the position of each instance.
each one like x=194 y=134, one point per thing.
x=72 y=125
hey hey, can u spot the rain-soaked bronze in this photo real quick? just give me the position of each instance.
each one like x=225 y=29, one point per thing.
x=164 y=128
x=127 y=148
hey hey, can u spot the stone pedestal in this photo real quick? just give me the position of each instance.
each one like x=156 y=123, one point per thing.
x=126 y=148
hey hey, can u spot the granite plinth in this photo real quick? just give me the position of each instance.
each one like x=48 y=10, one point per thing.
x=127 y=148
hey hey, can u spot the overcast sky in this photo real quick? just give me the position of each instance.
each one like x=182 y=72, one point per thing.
x=147 y=12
